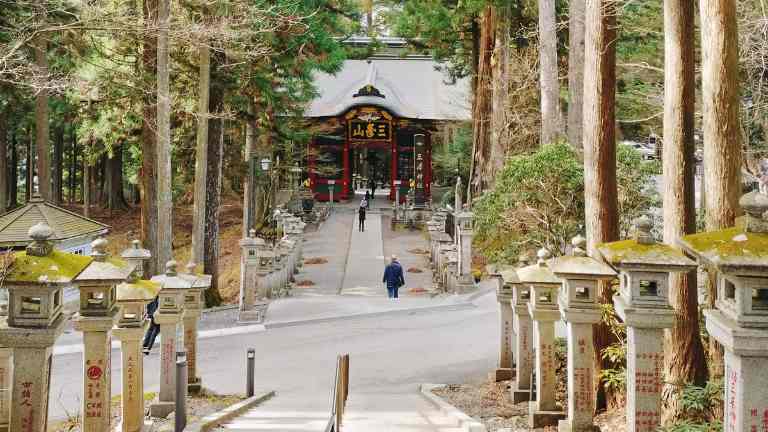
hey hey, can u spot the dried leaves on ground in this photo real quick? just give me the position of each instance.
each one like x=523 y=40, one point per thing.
x=305 y=283
x=415 y=270
x=316 y=260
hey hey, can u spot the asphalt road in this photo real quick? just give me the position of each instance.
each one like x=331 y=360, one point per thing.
x=387 y=354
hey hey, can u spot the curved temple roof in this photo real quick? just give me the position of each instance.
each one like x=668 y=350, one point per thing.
x=15 y=225
x=409 y=87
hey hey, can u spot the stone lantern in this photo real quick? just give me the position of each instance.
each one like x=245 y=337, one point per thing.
x=98 y=312
x=740 y=320
x=255 y=265
x=580 y=310
x=523 y=340
x=543 y=309
x=193 y=309
x=504 y=370
x=137 y=256
x=35 y=282
x=169 y=316
x=642 y=303
x=132 y=298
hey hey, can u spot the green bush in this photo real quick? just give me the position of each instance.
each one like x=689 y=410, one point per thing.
x=538 y=201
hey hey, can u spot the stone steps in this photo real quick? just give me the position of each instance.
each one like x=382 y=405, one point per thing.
x=282 y=414
x=395 y=412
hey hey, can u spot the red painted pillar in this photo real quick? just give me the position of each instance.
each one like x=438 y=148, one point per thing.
x=393 y=163
x=345 y=174
x=428 y=166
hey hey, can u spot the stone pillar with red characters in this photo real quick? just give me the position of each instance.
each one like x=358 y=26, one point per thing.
x=644 y=267
x=98 y=314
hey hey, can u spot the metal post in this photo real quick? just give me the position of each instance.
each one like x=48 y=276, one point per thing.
x=250 y=372
x=180 y=417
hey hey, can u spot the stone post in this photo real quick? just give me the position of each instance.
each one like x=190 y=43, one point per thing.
x=644 y=267
x=580 y=310
x=132 y=408
x=504 y=370
x=6 y=372
x=98 y=312
x=740 y=320
x=542 y=307
x=331 y=187
x=35 y=321
x=253 y=272
x=522 y=390
x=465 y=232
x=169 y=317
x=193 y=310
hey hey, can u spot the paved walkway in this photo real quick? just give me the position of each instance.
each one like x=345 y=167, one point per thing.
x=381 y=412
x=365 y=260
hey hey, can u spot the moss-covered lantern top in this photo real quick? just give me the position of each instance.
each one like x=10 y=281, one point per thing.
x=98 y=282
x=644 y=267
x=132 y=296
x=740 y=256
x=543 y=283
x=172 y=289
x=36 y=278
x=580 y=275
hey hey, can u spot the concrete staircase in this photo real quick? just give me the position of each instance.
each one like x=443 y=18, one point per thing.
x=378 y=412
x=396 y=412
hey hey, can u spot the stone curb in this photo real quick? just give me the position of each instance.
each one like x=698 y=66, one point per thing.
x=405 y=311
x=466 y=423
x=211 y=421
x=481 y=292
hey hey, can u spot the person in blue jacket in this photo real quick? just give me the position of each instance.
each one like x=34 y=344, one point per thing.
x=154 y=328
x=393 y=277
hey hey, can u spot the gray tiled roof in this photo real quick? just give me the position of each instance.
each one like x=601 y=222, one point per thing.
x=412 y=87
x=65 y=224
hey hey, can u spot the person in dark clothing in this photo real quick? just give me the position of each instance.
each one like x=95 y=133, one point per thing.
x=367 y=196
x=154 y=328
x=361 y=215
x=393 y=277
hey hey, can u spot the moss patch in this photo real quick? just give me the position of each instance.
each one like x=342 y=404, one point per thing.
x=722 y=243
x=57 y=267
x=631 y=250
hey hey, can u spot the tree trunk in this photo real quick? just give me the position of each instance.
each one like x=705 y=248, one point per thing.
x=87 y=174
x=29 y=181
x=575 y=73
x=250 y=185
x=3 y=162
x=73 y=168
x=114 y=179
x=41 y=124
x=213 y=182
x=548 y=71
x=720 y=120
x=201 y=155
x=58 y=165
x=164 y=173
x=684 y=360
x=148 y=172
x=482 y=108
x=13 y=183
x=500 y=139
x=600 y=189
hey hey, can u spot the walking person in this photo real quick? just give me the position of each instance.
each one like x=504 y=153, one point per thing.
x=393 y=277
x=154 y=328
x=361 y=215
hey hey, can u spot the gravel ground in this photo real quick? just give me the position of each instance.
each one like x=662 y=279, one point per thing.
x=198 y=406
